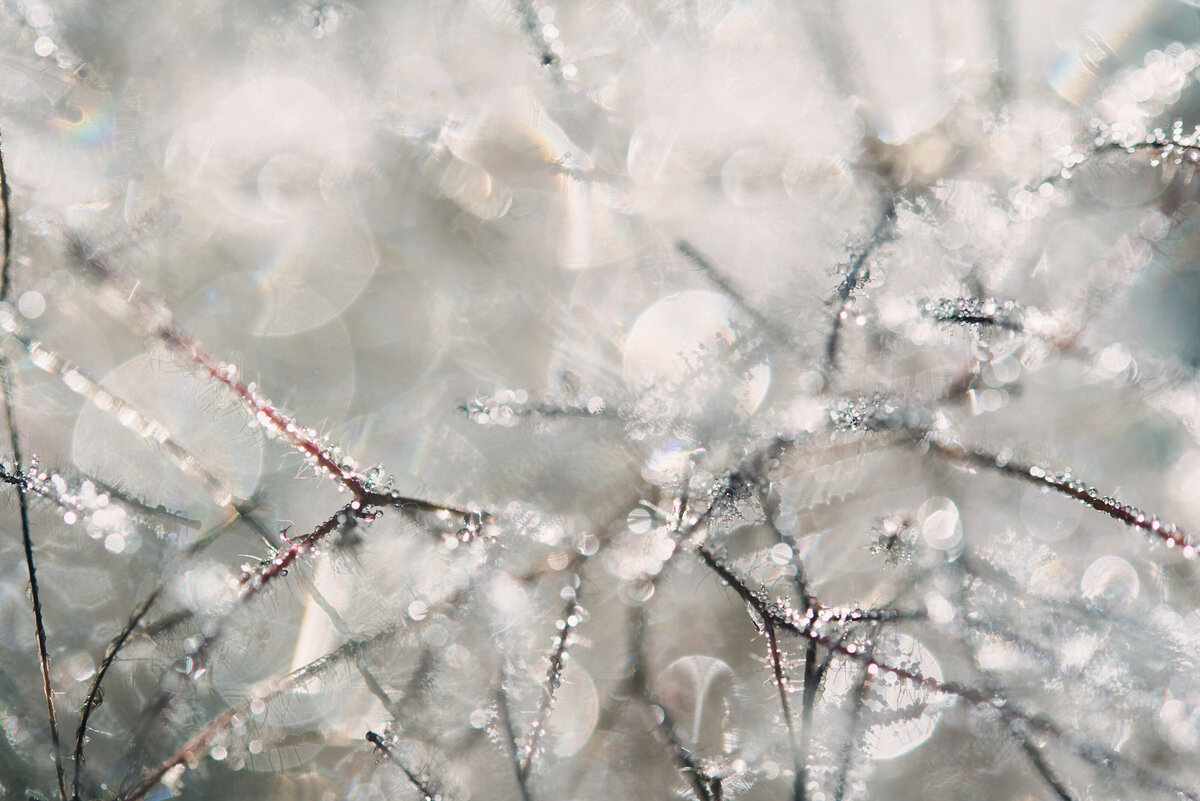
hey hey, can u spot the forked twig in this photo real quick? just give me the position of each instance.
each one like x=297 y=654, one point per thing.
x=1088 y=750
x=265 y=693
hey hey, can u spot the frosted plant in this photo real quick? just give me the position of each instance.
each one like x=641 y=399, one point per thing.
x=588 y=400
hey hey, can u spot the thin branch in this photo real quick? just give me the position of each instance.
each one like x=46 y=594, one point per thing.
x=701 y=781
x=881 y=414
x=853 y=730
x=858 y=274
x=1086 y=749
x=427 y=794
x=1045 y=771
x=252 y=584
x=94 y=695
x=1166 y=147
x=6 y=254
x=510 y=738
x=975 y=312
x=1066 y=484
x=376 y=689
x=808 y=705
x=157 y=320
x=31 y=568
x=558 y=661
x=781 y=686
x=726 y=285
x=148 y=428
x=199 y=742
x=70 y=495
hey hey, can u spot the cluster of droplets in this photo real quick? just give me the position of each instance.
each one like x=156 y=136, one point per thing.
x=540 y=24
x=642 y=550
x=877 y=413
x=1141 y=94
x=817 y=619
x=1170 y=535
x=49 y=42
x=1175 y=148
x=565 y=627
x=1030 y=203
x=51 y=362
x=141 y=424
x=322 y=19
x=975 y=312
x=507 y=407
x=82 y=501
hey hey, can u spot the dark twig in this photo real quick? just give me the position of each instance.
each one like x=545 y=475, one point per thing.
x=702 y=783
x=1088 y=750
x=94 y=696
x=510 y=738
x=427 y=793
x=35 y=595
x=6 y=255
x=781 y=686
x=351 y=649
x=853 y=731
x=723 y=282
x=808 y=705
x=252 y=584
x=558 y=662
x=858 y=274
x=1066 y=484
x=1044 y=770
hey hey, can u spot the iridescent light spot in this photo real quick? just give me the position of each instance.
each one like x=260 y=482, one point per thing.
x=31 y=304
x=576 y=712
x=86 y=118
x=1112 y=579
x=686 y=345
x=940 y=524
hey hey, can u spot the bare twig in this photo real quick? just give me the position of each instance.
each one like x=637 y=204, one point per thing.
x=22 y=501
x=558 y=661
x=858 y=274
x=351 y=649
x=94 y=695
x=1086 y=749
x=427 y=793
x=510 y=739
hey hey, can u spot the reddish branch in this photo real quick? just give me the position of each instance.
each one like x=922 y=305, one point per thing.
x=981 y=699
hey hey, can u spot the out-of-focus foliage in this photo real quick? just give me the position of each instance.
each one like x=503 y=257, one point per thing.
x=667 y=398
